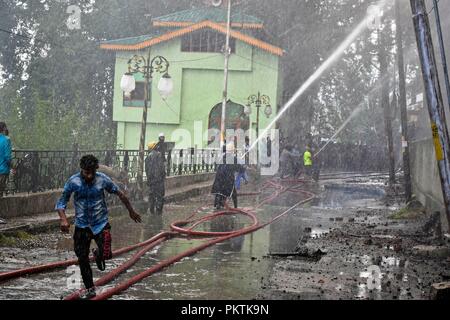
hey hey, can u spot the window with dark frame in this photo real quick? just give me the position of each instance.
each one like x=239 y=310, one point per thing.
x=206 y=41
x=137 y=97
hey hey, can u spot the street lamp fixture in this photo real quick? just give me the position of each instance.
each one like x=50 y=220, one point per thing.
x=128 y=84
x=258 y=100
x=146 y=66
x=268 y=111
x=248 y=110
x=165 y=86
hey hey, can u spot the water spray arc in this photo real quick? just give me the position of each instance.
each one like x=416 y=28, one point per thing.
x=353 y=114
x=360 y=28
x=407 y=58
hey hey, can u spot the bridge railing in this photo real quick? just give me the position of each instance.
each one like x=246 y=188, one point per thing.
x=44 y=170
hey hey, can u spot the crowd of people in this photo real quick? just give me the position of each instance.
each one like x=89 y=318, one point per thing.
x=294 y=163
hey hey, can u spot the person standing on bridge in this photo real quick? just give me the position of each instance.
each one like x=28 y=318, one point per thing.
x=156 y=178
x=317 y=161
x=5 y=160
x=224 y=182
x=91 y=216
x=287 y=160
x=307 y=161
x=161 y=145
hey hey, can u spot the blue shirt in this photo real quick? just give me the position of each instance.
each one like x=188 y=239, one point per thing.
x=89 y=200
x=5 y=154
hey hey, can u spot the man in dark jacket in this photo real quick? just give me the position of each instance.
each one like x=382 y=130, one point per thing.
x=161 y=145
x=156 y=176
x=224 y=182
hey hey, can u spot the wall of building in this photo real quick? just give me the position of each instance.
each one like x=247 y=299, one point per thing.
x=425 y=178
x=198 y=86
x=424 y=169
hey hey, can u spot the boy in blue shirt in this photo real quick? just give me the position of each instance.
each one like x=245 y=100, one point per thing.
x=91 y=216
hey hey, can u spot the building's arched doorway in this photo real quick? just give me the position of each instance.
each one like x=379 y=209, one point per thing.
x=235 y=119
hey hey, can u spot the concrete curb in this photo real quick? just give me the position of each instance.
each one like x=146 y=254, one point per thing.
x=30 y=204
x=53 y=223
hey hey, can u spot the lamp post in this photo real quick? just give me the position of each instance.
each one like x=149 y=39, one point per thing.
x=146 y=66
x=258 y=100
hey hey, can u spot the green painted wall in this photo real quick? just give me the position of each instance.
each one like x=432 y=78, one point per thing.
x=198 y=86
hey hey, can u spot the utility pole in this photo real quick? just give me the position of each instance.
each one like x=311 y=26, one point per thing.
x=442 y=47
x=382 y=57
x=434 y=97
x=225 y=85
x=402 y=102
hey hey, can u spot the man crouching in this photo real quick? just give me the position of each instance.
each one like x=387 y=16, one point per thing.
x=91 y=216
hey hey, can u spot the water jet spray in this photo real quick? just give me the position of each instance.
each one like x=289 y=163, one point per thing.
x=360 y=28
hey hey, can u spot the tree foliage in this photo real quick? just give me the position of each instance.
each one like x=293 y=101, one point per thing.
x=58 y=82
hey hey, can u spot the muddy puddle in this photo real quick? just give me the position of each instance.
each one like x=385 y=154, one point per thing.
x=338 y=196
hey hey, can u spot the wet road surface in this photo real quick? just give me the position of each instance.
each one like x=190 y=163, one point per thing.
x=235 y=266
x=319 y=251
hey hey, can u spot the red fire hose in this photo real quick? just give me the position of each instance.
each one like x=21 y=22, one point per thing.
x=128 y=283
x=55 y=265
x=116 y=272
x=60 y=264
x=177 y=229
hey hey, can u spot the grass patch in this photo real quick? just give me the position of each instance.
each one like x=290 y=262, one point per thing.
x=22 y=235
x=406 y=213
x=13 y=240
x=6 y=241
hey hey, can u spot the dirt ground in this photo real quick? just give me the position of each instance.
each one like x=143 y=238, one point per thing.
x=367 y=254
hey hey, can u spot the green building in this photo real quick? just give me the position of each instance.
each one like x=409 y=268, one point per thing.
x=192 y=41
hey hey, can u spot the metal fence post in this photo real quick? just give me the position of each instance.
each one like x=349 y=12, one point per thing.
x=108 y=158
x=169 y=162
x=35 y=164
x=194 y=159
x=74 y=164
x=180 y=165
x=126 y=162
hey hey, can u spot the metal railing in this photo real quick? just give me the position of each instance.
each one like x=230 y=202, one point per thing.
x=38 y=171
